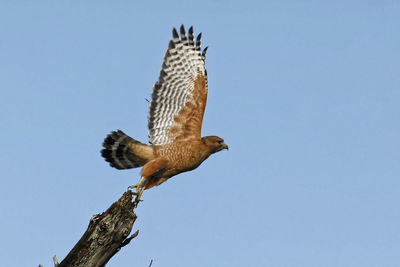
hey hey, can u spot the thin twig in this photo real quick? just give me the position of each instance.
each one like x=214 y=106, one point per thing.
x=55 y=261
x=151 y=262
x=126 y=241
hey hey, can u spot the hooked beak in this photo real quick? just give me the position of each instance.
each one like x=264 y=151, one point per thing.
x=225 y=146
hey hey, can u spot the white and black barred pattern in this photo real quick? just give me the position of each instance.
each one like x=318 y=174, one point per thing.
x=183 y=62
x=117 y=152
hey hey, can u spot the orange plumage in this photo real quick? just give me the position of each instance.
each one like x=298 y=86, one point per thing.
x=175 y=118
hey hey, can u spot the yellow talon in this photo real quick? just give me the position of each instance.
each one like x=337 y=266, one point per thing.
x=140 y=193
x=137 y=186
x=139 y=189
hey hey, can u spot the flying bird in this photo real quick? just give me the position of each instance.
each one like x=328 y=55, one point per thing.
x=176 y=110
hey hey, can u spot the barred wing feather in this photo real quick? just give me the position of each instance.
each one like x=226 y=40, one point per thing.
x=179 y=96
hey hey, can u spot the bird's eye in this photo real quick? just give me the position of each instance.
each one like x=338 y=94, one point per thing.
x=220 y=142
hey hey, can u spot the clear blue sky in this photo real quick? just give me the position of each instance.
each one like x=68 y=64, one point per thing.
x=306 y=94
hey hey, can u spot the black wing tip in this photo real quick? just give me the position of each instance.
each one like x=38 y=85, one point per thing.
x=171 y=44
x=175 y=33
x=181 y=36
x=191 y=38
x=198 y=42
x=203 y=54
x=182 y=33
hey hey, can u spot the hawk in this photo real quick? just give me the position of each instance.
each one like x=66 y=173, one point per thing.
x=177 y=105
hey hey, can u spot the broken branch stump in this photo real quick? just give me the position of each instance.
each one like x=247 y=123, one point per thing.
x=106 y=234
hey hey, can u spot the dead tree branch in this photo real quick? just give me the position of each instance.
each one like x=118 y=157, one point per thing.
x=106 y=234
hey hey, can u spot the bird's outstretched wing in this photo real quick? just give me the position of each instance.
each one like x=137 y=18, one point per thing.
x=179 y=96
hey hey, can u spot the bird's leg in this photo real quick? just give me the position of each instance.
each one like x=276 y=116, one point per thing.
x=137 y=186
x=140 y=193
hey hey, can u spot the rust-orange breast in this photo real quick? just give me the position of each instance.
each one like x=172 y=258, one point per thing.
x=183 y=156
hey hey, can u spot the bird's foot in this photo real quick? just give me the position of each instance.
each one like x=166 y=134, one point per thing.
x=139 y=190
x=137 y=186
x=133 y=187
x=138 y=196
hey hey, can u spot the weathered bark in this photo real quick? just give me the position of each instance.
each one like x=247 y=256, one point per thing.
x=106 y=234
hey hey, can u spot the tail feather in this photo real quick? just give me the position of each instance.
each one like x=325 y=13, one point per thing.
x=119 y=151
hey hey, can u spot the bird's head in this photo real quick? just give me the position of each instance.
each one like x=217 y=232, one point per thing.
x=215 y=143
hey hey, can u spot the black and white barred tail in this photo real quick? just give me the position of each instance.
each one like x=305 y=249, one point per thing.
x=119 y=151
